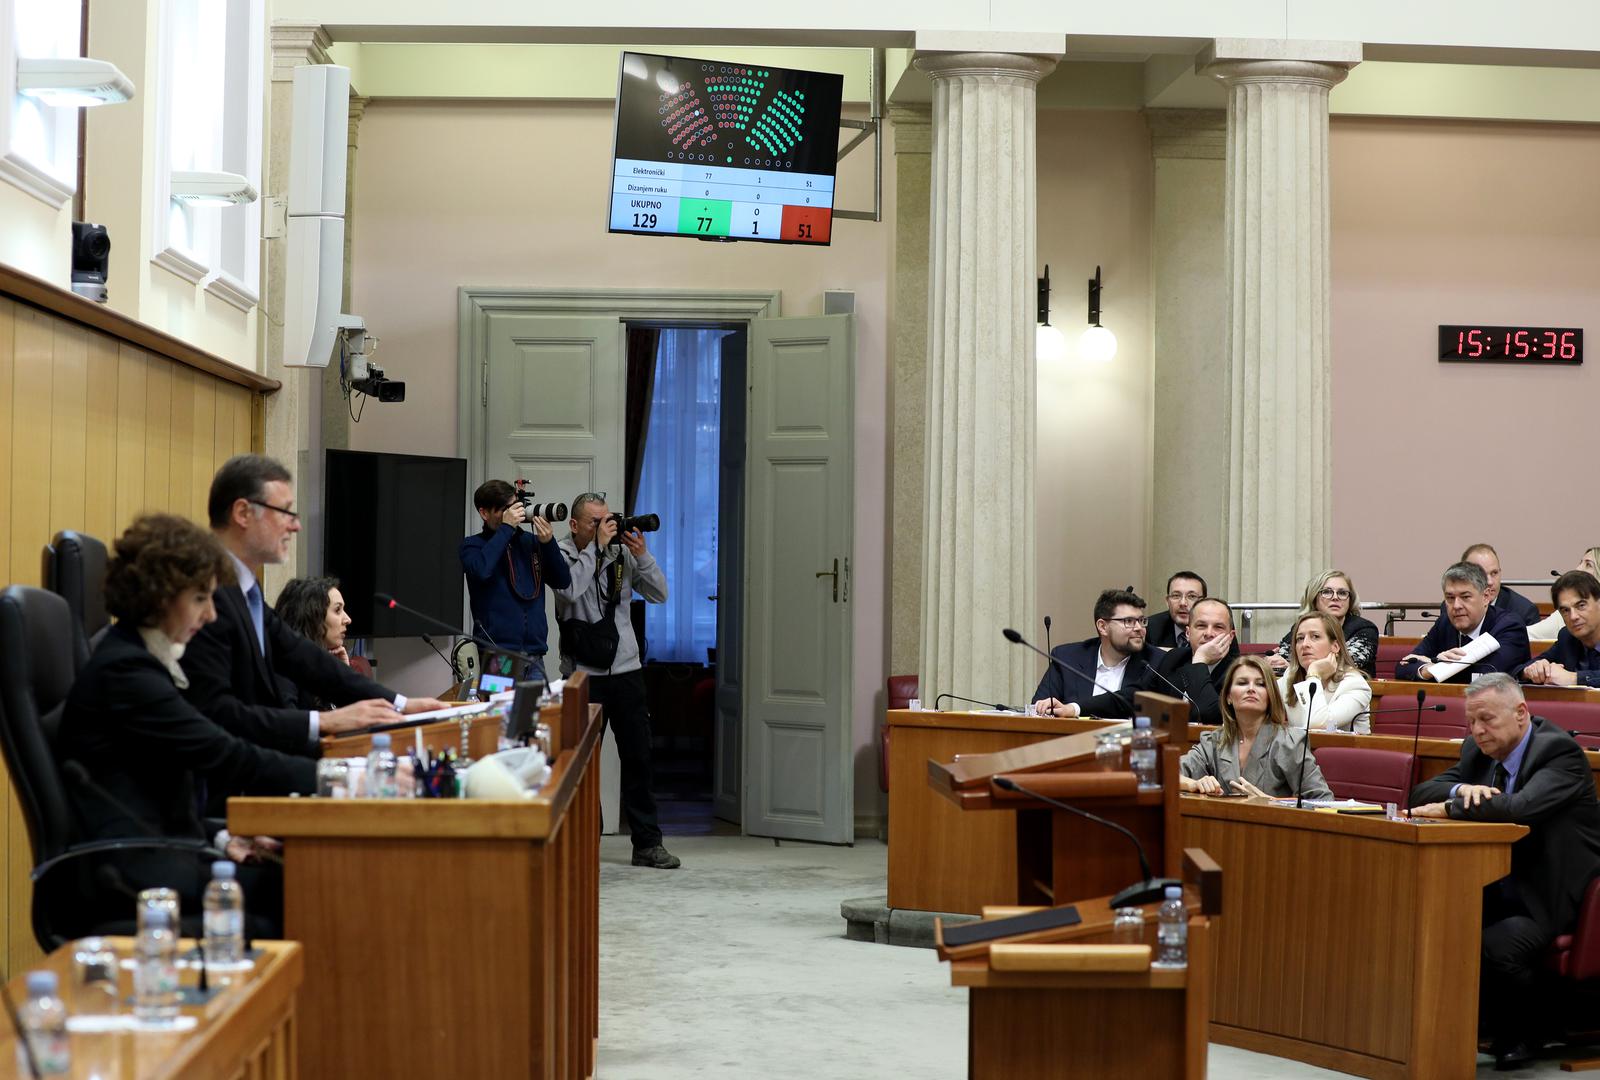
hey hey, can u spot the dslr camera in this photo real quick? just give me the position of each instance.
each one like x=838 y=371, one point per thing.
x=641 y=522
x=548 y=511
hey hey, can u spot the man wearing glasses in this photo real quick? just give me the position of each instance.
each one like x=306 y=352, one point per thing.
x=244 y=669
x=1117 y=657
x=1168 y=628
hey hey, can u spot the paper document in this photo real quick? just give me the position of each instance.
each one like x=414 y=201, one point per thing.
x=1479 y=647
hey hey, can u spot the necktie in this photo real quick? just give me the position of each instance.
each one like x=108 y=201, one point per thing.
x=257 y=617
x=1502 y=778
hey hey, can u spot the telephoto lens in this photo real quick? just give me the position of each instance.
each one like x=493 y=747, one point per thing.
x=548 y=511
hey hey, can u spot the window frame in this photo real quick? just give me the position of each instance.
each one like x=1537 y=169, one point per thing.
x=17 y=168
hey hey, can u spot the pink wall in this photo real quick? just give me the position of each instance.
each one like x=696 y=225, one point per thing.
x=1456 y=222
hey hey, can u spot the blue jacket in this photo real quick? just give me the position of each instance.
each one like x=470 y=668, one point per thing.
x=1072 y=688
x=1509 y=599
x=1507 y=629
x=507 y=608
x=1573 y=655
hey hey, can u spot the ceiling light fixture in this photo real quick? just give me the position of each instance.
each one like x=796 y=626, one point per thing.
x=71 y=82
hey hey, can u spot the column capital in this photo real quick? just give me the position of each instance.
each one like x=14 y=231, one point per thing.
x=1188 y=133
x=913 y=128
x=1251 y=60
x=358 y=109
x=296 y=45
x=1024 y=67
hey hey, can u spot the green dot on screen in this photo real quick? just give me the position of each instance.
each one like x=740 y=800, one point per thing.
x=730 y=161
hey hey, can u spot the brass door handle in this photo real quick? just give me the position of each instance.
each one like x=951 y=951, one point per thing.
x=834 y=574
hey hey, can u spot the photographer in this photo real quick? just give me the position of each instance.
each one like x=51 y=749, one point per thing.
x=597 y=637
x=507 y=570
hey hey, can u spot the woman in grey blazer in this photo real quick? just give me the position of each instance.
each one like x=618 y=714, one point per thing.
x=1255 y=732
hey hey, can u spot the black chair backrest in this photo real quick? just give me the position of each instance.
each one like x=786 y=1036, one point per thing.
x=36 y=673
x=75 y=570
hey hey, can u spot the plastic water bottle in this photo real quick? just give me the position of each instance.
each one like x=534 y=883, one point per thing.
x=1142 y=755
x=223 y=939
x=381 y=769
x=1172 y=932
x=44 y=1018
x=155 y=970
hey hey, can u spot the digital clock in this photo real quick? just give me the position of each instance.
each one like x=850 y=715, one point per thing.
x=1511 y=344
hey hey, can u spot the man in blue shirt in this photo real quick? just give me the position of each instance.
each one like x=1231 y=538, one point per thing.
x=507 y=570
x=1574 y=660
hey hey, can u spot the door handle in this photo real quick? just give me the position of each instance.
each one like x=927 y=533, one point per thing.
x=712 y=598
x=834 y=574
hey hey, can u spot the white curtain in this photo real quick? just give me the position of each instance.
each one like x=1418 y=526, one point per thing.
x=679 y=482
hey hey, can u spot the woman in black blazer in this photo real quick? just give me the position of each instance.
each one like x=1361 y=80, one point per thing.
x=148 y=753
x=1333 y=593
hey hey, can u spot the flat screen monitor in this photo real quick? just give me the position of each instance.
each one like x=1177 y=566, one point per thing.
x=720 y=150
x=490 y=683
x=392 y=524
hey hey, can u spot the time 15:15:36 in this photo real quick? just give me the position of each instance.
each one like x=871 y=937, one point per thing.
x=1518 y=345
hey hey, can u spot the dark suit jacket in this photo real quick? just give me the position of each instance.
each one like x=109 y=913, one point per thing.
x=1555 y=798
x=1203 y=685
x=1163 y=632
x=1512 y=602
x=1510 y=631
x=1573 y=655
x=1073 y=688
x=254 y=696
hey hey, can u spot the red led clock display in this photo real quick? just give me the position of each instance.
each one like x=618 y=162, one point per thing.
x=1511 y=344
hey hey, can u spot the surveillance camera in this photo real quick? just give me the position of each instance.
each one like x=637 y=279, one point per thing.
x=376 y=386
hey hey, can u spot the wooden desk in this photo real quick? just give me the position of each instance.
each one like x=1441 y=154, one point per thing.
x=447 y=937
x=1350 y=943
x=1407 y=689
x=245 y=1030
x=939 y=858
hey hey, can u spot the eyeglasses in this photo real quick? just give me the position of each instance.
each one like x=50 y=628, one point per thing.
x=1131 y=622
x=1189 y=596
x=295 y=514
x=1335 y=594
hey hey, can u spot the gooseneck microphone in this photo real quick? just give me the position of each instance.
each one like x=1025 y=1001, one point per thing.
x=1400 y=708
x=1146 y=891
x=1305 y=750
x=1416 y=733
x=1047 y=633
x=1017 y=639
x=394 y=605
x=973 y=701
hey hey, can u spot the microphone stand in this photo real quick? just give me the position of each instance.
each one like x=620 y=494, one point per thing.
x=1305 y=751
x=394 y=605
x=972 y=701
x=1146 y=891
x=1047 y=634
x=1416 y=734
x=1017 y=639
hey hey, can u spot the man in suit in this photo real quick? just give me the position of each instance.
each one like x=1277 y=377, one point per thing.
x=1466 y=617
x=1168 y=628
x=1117 y=657
x=1525 y=770
x=246 y=668
x=1574 y=660
x=1501 y=597
x=1197 y=668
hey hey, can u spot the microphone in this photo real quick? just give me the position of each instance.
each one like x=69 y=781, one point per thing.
x=973 y=701
x=1047 y=633
x=394 y=605
x=1416 y=733
x=1017 y=639
x=1145 y=891
x=453 y=674
x=1305 y=750
x=1402 y=708
x=1184 y=694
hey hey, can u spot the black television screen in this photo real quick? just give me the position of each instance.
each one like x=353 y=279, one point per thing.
x=393 y=523
x=724 y=151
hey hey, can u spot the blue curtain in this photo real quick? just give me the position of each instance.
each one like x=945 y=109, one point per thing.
x=679 y=482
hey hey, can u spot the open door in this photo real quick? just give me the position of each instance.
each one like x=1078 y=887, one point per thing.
x=799 y=487
x=728 y=763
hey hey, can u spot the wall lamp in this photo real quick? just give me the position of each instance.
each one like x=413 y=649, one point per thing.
x=70 y=82
x=1050 y=343
x=1097 y=345
x=211 y=188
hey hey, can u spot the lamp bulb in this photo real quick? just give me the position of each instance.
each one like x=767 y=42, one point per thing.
x=1050 y=344
x=1097 y=345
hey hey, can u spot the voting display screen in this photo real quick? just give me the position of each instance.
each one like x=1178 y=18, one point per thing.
x=724 y=151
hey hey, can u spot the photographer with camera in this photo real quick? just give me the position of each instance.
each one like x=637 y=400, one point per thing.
x=507 y=570
x=597 y=637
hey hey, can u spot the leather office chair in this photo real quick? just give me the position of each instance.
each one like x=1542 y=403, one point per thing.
x=1380 y=776
x=75 y=570
x=36 y=673
x=902 y=688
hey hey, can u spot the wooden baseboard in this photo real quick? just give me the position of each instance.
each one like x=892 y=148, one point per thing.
x=1324 y=1057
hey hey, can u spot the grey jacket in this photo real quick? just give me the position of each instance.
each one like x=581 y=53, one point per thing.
x=1273 y=766
x=581 y=599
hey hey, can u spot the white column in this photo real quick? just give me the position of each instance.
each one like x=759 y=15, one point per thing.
x=978 y=543
x=1275 y=238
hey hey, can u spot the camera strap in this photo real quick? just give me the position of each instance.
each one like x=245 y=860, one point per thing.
x=511 y=566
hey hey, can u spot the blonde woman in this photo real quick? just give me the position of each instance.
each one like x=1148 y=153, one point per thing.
x=1255 y=751
x=1342 y=697
x=1549 y=627
x=1334 y=593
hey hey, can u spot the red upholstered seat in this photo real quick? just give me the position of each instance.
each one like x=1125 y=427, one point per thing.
x=902 y=688
x=1588 y=742
x=1257 y=648
x=1450 y=724
x=1576 y=956
x=1380 y=776
x=361 y=666
x=1390 y=652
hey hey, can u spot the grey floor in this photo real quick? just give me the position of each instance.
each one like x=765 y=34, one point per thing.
x=737 y=966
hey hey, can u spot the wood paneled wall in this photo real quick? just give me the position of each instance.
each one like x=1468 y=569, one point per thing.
x=93 y=431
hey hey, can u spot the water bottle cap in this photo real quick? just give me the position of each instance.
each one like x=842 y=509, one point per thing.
x=380 y=741
x=41 y=983
x=1141 y=721
x=1174 y=892
x=224 y=869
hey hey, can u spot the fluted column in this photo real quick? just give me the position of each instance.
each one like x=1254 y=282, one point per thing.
x=978 y=521
x=1278 y=349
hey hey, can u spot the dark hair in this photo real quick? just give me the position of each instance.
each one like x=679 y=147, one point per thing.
x=1585 y=584
x=1106 y=606
x=1188 y=574
x=494 y=495
x=303 y=604
x=244 y=476
x=156 y=559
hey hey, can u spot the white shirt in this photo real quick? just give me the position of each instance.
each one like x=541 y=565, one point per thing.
x=1109 y=678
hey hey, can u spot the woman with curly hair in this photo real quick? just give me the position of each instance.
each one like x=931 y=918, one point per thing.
x=148 y=753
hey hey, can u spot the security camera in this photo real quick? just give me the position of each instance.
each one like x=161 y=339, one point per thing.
x=359 y=372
